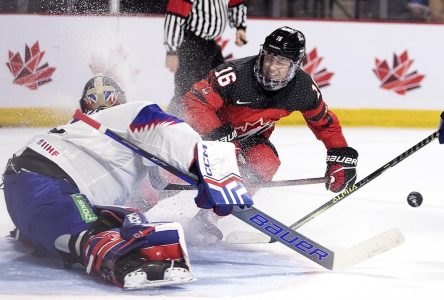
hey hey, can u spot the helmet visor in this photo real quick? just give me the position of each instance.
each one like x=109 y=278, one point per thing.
x=274 y=71
x=276 y=67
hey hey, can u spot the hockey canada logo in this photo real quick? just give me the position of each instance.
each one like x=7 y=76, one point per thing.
x=255 y=128
x=398 y=78
x=311 y=64
x=27 y=72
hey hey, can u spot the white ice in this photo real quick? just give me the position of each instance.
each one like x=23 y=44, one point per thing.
x=271 y=271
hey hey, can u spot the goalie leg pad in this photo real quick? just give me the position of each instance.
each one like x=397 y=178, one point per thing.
x=135 y=253
x=221 y=186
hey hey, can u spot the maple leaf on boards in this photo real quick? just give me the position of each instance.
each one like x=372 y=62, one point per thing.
x=398 y=78
x=311 y=64
x=28 y=72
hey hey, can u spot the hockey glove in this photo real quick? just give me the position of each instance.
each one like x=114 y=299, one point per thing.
x=137 y=254
x=341 y=168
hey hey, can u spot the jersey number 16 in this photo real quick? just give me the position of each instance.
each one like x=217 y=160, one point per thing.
x=225 y=76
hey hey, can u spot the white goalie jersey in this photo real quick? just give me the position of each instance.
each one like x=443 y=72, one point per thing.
x=105 y=171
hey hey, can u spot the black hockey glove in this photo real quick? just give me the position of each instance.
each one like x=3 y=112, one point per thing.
x=341 y=168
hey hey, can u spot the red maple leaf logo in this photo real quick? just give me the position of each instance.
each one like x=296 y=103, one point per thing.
x=398 y=79
x=310 y=65
x=29 y=73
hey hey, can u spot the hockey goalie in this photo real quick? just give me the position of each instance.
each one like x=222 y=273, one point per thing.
x=65 y=190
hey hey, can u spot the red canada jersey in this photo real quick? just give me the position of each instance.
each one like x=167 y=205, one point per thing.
x=231 y=94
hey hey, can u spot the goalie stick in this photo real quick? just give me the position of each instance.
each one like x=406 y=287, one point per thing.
x=251 y=237
x=268 y=225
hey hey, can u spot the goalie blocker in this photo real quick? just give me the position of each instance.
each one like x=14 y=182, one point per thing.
x=221 y=187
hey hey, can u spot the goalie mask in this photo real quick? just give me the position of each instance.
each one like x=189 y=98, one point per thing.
x=101 y=92
x=284 y=51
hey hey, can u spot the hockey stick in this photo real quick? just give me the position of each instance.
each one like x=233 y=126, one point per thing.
x=277 y=183
x=237 y=237
x=268 y=225
x=364 y=181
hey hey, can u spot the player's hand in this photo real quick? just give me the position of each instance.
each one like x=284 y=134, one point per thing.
x=341 y=168
x=241 y=37
x=172 y=62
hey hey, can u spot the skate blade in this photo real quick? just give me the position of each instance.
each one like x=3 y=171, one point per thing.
x=137 y=280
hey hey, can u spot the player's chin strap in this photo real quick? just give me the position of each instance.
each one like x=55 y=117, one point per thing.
x=268 y=225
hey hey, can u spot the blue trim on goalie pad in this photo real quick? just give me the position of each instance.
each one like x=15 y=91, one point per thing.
x=165 y=237
x=43 y=208
x=153 y=238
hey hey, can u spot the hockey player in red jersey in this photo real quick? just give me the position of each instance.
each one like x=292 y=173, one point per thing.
x=64 y=190
x=241 y=100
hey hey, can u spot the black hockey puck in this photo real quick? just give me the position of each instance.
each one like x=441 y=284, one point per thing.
x=414 y=199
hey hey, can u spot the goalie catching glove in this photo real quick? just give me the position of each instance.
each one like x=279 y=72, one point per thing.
x=341 y=168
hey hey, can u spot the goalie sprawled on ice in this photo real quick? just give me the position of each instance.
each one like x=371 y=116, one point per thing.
x=65 y=189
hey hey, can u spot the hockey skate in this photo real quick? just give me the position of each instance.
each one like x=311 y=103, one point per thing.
x=133 y=272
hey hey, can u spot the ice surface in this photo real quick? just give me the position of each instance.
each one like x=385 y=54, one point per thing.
x=271 y=271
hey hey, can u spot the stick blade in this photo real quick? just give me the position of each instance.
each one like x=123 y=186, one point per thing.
x=369 y=248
